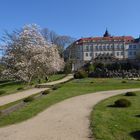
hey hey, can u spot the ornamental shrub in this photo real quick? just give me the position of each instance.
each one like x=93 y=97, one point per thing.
x=130 y=94
x=122 y=103
x=55 y=87
x=20 y=88
x=80 y=74
x=45 y=92
x=2 y=92
x=124 y=82
x=28 y=99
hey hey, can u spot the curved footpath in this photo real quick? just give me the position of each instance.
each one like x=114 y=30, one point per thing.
x=23 y=94
x=67 y=120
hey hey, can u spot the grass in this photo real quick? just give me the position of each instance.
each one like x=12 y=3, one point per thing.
x=56 y=77
x=68 y=90
x=112 y=123
x=12 y=87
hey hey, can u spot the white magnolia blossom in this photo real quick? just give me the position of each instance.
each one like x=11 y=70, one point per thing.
x=29 y=55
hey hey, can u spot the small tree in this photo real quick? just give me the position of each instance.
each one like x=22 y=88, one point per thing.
x=28 y=55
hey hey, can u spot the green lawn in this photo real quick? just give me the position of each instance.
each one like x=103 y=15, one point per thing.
x=70 y=89
x=111 y=123
x=12 y=87
x=56 y=77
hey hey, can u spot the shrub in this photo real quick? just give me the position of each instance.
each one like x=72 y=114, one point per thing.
x=28 y=99
x=80 y=74
x=122 y=103
x=45 y=92
x=2 y=92
x=55 y=87
x=31 y=83
x=20 y=88
x=68 y=68
x=124 y=82
x=0 y=112
x=130 y=94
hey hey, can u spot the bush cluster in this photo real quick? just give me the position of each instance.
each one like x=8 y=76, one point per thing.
x=2 y=92
x=122 y=103
x=28 y=99
x=55 y=87
x=80 y=74
x=45 y=92
x=130 y=94
x=20 y=88
x=124 y=82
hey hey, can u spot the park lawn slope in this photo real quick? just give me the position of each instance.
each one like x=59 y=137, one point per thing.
x=56 y=77
x=10 y=87
x=73 y=88
x=112 y=123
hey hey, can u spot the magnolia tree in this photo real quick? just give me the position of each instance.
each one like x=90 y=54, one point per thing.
x=28 y=55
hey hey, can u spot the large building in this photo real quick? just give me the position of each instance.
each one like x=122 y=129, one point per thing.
x=106 y=49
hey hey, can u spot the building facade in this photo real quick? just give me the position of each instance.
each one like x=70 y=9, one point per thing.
x=106 y=49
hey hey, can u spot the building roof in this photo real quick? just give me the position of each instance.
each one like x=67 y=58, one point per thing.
x=126 y=39
x=108 y=37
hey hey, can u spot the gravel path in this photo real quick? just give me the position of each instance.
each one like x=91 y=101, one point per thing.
x=65 y=79
x=67 y=120
x=20 y=95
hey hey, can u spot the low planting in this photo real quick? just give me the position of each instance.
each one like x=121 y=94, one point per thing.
x=55 y=87
x=20 y=88
x=73 y=88
x=122 y=103
x=124 y=82
x=45 y=92
x=2 y=92
x=28 y=99
x=80 y=74
x=115 y=123
x=130 y=94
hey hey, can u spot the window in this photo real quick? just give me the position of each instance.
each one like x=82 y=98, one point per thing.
x=100 y=48
x=130 y=53
x=108 y=47
x=130 y=46
x=134 y=53
x=118 y=47
x=122 y=53
x=87 y=48
x=91 y=48
x=91 y=54
x=96 y=47
x=86 y=54
x=134 y=46
x=118 y=53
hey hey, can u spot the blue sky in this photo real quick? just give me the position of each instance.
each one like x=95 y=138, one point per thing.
x=77 y=18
